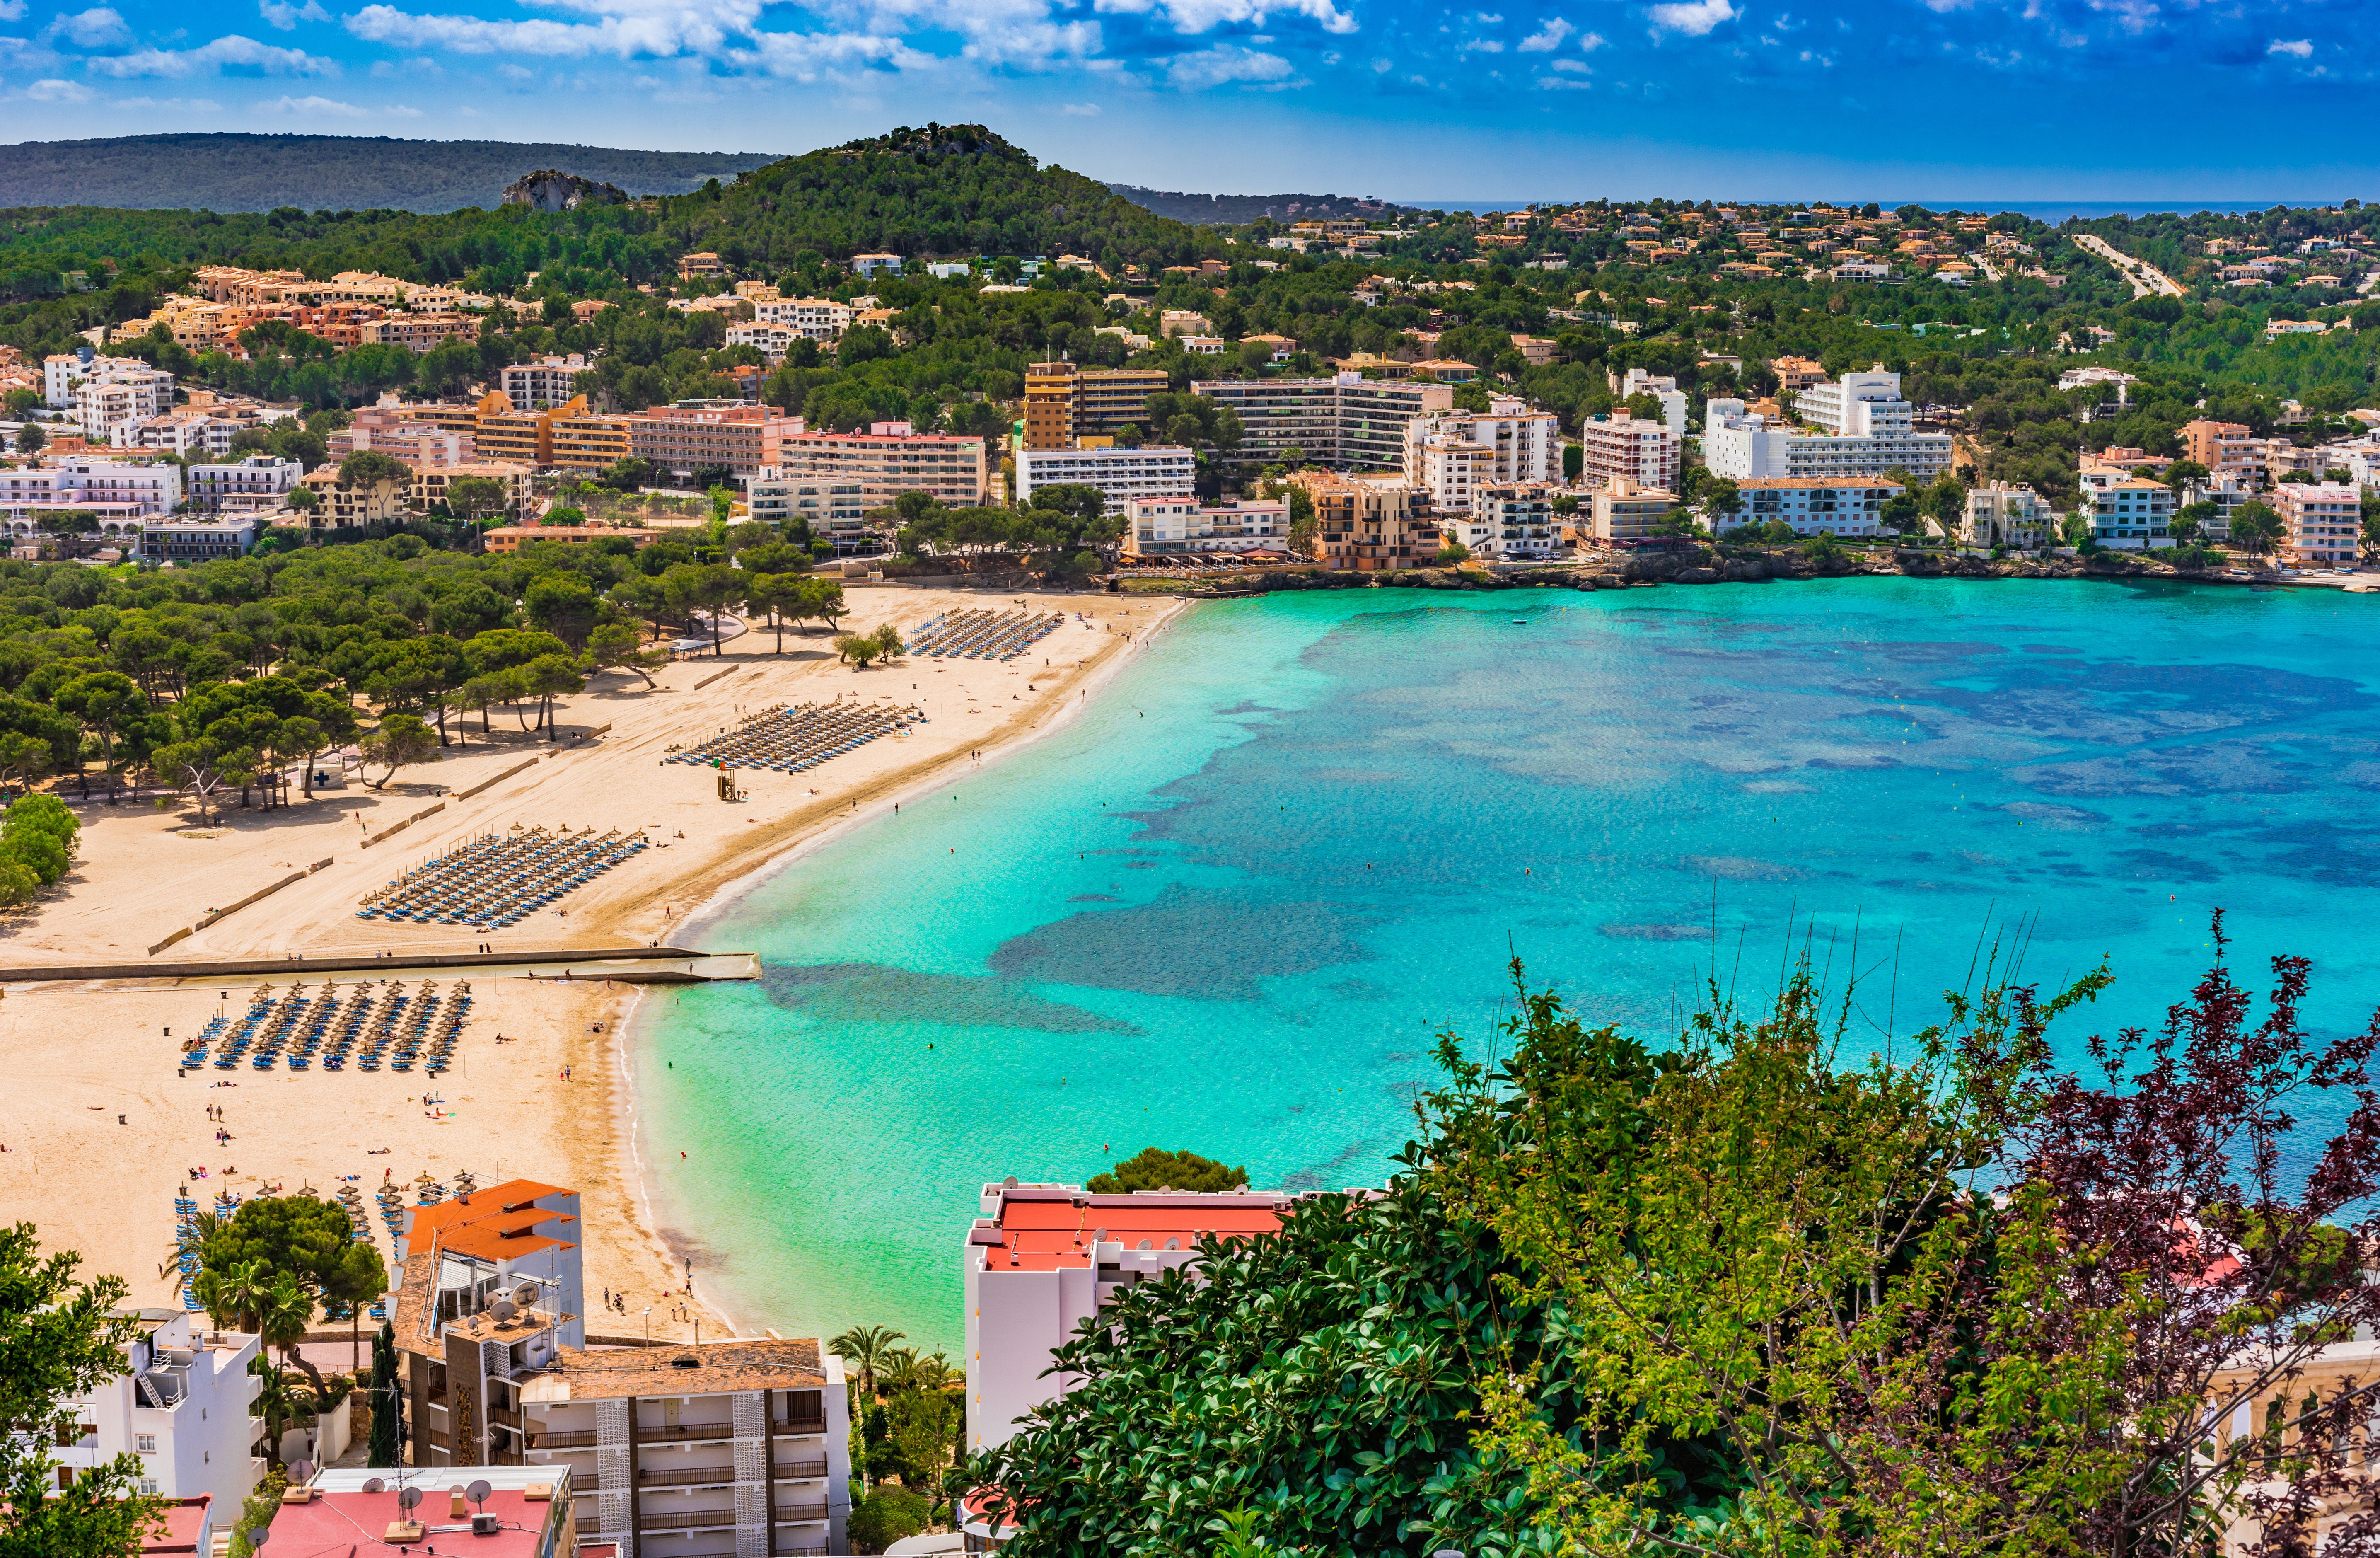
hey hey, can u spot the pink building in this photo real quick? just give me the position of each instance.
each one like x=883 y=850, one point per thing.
x=2321 y=524
x=1641 y=449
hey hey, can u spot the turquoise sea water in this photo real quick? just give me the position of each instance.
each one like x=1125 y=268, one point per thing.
x=1227 y=907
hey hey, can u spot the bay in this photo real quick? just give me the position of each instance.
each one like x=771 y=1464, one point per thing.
x=1230 y=905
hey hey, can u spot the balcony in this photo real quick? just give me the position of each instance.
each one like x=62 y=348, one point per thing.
x=724 y=1519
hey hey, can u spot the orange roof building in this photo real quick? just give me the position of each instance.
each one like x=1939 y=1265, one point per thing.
x=1042 y=1258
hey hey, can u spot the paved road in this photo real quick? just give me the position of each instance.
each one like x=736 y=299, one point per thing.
x=2145 y=278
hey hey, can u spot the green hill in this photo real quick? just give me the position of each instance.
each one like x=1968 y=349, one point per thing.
x=334 y=172
x=944 y=189
x=1238 y=210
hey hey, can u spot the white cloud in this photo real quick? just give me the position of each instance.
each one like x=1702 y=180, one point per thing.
x=230 y=50
x=402 y=111
x=95 y=28
x=1197 y=16
x=1566 y=83
x=808 y=56
x=314 y=107
x=12 y=11
x=172 y=104
x=512 y=72
x=1082 y=110
x=1576 y=67
x=1224 y=64
x=1693 y=18
x=284 y=15
x=1548 y=38
x=624 y=29
x=1590 y=43
x=1482 y=47
x=55 y=90
x=2296 y=48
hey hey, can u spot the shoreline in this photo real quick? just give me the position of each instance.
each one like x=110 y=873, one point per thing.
x=628 y=1029
x=108 y=1123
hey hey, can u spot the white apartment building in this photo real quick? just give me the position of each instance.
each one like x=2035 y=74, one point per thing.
x=188 y=430
x=198 y=541
x=1624 y=511
x=1857 y=405
x=80 y=482
x=2004 y=515
x=2125 y=513
x=1744 y=446
x=1518 y=446
x=1042 y=1258
x=813 y=319
x=1175 y=527
x=887 y=460
x=1345 y=421
x=112 y=402
x=61 y=371
x=772 y=341
x=541 y=382
x=1663 y=388
x=835 y=508
x=2322 y=523
x=183 y=1405
x=1813 y=505
x=258 y=481
x=1510 y=521
x=1451 y=470
x=1155 y=470
x=1622 y=445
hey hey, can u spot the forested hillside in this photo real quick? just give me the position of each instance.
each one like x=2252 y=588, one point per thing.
x=1236 y=209
x=943 y=189
x=341 y=172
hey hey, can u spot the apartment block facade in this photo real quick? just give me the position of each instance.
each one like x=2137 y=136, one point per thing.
x=1621 y=446
x=1509 y=521
x=813 y=319
x=2127 y=513
x=541 y=382
x=258 y=481
x=1184 y=527
x=1626 y=510
x=2006 y=515
x=1515 y=445
x=1369 y=527
x=1745 y=445
x=2224 y=448
x=1815 y=506
x=1042 y=1258
x=1155 y=470
x=1065 y=401
x=2322 y=523
x=184 y=1407
x=1344 y=422
x=887 y=460
x=686 y=436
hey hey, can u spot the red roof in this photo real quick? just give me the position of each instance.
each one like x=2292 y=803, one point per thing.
x=495 y=1223
x=177 y=1526
x=1043 y=1230
x=351 y=1525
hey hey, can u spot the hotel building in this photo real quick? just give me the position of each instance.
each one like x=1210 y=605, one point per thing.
x=1184 y=526
x=1815 y=506
x=1156 y=470
x=1043 y=1259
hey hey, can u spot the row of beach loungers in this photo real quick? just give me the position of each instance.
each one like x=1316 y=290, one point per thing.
x=793 y=739
x=981 y=635
x=375 y=1025
x=498 y=880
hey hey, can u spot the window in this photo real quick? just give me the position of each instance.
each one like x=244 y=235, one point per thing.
x=146 y=1443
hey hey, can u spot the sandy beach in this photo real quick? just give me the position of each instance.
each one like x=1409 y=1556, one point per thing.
x=101 y=1132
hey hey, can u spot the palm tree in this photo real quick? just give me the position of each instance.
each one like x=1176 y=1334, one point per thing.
x=283 y=1311
x=242 y=1290
x=191 y=1241
x=870 y=1348
x=274 y=1402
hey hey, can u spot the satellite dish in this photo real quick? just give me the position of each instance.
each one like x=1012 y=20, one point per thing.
x=256 y=1537
x=407 y=1497
x=525 y=1295
x=477 y=1492
x=504 y=1309
x=374 y=1485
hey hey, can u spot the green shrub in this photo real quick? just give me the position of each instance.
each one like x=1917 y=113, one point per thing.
x=885 y=1516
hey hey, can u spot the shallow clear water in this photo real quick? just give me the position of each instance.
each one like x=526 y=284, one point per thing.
x=1227 y=907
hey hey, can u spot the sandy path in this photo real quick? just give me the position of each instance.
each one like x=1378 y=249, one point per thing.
x=84 y=1054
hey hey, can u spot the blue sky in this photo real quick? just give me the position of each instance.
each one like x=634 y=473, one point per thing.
x=2143 y=100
